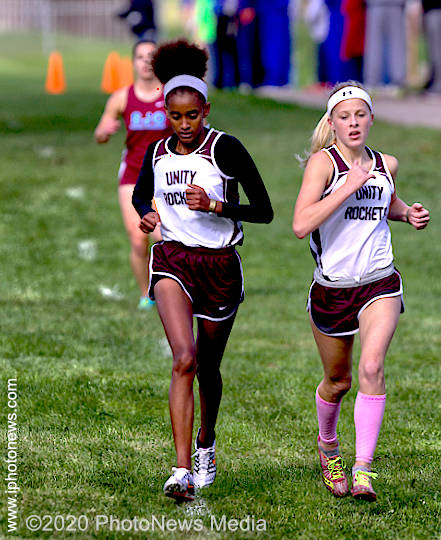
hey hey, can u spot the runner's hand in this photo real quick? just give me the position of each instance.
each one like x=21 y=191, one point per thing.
x=418 y=216
x=197 y=199
x=149 y=222
x=106 y=128
x=358 y=176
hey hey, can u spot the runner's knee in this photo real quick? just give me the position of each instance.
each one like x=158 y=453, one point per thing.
x=371 y=370
x=338 y=386
x=207 y=373
x=184 y=362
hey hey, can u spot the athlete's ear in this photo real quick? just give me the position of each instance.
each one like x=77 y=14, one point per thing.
x=331 y=123
x=206 y=110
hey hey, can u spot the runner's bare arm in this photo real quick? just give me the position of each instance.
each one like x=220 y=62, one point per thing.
x=109 y=122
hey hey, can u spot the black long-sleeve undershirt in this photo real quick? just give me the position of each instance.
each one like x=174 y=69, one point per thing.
x=233 y=160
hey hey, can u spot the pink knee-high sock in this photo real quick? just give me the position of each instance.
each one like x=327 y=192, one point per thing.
x=368 y=415
x=327 y=414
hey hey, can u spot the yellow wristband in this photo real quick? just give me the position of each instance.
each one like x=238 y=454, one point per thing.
x=212 y=205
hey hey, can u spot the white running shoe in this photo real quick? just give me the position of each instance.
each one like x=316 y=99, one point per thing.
x=204 y=470
x=180 y=485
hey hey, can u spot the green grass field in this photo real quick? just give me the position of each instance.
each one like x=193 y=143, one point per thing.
x=92 y=372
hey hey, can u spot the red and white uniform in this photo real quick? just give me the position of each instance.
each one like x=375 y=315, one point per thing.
x=145 y=123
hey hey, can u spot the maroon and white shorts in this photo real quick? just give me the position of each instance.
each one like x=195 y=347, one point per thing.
x=336 y=311
x=127 y=174
x=211 y=278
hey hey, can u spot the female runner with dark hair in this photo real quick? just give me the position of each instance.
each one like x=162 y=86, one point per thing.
x=193 y=177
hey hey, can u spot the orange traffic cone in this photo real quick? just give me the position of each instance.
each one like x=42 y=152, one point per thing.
x=126 y=68
x=55 y=83
x=111 y=73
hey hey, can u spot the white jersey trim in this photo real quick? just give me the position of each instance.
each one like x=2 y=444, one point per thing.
x=194 y=151
x=155 y=151
x=386 y=168
x=216 y=166
x=334 y=175
x=341 y=155
x=370 y=151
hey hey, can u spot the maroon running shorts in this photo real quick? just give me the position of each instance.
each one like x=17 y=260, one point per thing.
x=211 y=278
x=127 y=174
x=335 y=311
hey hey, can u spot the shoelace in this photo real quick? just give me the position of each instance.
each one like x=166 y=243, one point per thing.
x=363 y=477
x=203 y=458
x=335 y=467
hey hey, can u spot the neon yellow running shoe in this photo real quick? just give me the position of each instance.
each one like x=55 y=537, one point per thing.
x=362 y=485
x=333 y=475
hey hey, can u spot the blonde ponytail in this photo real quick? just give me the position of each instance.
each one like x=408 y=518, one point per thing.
x=322 y=137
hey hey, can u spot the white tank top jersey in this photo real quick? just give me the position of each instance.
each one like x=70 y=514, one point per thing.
x=355 y=240
x=173 y=173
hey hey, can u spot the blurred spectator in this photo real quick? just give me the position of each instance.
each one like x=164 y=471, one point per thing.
x=385 y=46
x=204 y=30
x=275 y=41
x=187 y=11
x=252 y=45
x=414 y=12
x=332 y=67
x=226 y=73
x=352 y=43
x=140 y=17
x=432 y=29
x=205 y=20
x=248 y=47
x=317 y=18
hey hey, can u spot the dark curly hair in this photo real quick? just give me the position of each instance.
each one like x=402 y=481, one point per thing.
x=179 y=58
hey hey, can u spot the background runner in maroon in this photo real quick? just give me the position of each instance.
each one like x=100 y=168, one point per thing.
x=145 y=121
x=142 y=108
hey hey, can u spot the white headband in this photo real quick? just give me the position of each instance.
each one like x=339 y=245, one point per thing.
x=349 y=92
x=186 y=80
